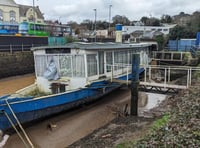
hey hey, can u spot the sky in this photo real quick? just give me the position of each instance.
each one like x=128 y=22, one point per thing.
x=79 y=10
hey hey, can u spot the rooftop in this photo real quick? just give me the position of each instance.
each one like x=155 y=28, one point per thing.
x=91 y=46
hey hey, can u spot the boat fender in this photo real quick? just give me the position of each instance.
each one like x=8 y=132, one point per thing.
x=3 y=139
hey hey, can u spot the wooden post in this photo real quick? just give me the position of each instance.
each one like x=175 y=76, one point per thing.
x=134 y=84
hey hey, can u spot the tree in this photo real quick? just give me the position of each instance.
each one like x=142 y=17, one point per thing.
x=88 y=23
x=77 y=31
x=166 y=18
x=150 y=21
x=73 y=24
x=118 y=19
x=144 y=20
x=160 y=40
x=179 y=32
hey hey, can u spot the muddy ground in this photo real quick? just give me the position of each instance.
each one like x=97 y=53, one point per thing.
x=12 y=84
x=124 y=128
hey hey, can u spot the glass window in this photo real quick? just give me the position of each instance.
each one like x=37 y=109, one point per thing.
x=78 y=66
x=101 y=62
x=12 y=16
x=1 y=15
x=109 y=61
x=65 y=66
x=92 y=64
x=121 y=57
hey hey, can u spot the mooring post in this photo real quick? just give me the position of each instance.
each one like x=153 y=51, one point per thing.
x=134 y=84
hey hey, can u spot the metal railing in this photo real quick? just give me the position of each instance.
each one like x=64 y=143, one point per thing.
x=20 y=47
x=174 y=77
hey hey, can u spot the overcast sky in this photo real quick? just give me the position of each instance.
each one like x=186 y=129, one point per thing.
x=79 y=10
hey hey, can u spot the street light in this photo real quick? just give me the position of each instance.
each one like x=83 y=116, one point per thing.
x=34 y=15
x=95 y=17
x=109 y=17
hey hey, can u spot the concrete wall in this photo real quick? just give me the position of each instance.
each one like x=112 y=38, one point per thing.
x=17 y=63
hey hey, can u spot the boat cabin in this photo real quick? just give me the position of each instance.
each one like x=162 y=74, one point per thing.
x=77 y=65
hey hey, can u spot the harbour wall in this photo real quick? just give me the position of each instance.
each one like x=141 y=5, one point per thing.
x=16 y=63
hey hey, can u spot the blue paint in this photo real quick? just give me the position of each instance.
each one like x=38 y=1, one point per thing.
x=181 y=45
x=28 y=108
x=197 y=43
x=118 y=27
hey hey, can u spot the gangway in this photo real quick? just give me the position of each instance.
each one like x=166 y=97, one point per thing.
x=159 y=78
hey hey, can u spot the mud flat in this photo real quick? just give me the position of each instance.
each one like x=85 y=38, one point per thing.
x=12 y=84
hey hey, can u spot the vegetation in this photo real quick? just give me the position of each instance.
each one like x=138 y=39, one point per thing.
x=179 y=128
x=187 y=24
x=37 y=93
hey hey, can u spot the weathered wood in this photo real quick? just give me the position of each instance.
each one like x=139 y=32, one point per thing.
x=134 y=84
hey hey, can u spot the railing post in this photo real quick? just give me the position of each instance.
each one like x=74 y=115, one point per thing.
x=145 y=74
x=22 y=47
x=11 y=48
x=169 y=70
x=188 y=77
x=149 y=73
x=127 y=75
x=165 y=80
x=112 y=67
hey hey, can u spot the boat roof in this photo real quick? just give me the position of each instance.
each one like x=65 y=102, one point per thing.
x=93 y=46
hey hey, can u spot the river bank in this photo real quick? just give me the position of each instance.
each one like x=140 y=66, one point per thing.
x=174 y=123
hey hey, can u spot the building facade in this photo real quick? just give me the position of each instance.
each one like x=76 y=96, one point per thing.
x=14 y=13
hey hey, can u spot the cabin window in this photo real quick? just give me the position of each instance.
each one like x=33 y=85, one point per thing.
x=121 y=57
x=131 y=52
x=40 y=64
x=92 y=64
x=101 y=62
x=78 y=66
x=65 y=66
x=109 y=61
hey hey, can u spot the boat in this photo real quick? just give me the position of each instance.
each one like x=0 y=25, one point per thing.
x=70 y=75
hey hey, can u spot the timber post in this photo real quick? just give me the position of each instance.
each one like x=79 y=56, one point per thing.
x=134 y=84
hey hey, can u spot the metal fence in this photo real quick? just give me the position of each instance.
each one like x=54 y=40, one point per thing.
x=20 y=47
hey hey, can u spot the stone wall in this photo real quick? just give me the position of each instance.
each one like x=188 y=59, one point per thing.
x=16 y=63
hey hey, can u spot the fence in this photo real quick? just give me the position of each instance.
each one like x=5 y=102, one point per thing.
x=20 y=47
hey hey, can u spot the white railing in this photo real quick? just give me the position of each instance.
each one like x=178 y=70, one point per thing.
x=175 y=77
x=169 y=76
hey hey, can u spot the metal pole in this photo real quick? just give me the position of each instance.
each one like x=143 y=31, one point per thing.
x=109 y=17
x=34 y=15
x=28 y=139
x=134 y=84
x=95 y=17
x=14 y=127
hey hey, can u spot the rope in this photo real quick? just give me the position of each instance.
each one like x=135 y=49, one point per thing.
x=28 y=139
x=14 y=127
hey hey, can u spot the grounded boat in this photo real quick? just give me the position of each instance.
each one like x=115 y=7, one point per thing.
x=69 y=75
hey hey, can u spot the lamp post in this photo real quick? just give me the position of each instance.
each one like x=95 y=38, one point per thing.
x=34 y=15
x=109 y=17
x=95 y=17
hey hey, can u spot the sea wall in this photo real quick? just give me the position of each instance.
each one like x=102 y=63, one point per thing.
x=16 y=63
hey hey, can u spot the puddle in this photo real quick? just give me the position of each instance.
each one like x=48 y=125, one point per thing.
x=152 y=100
